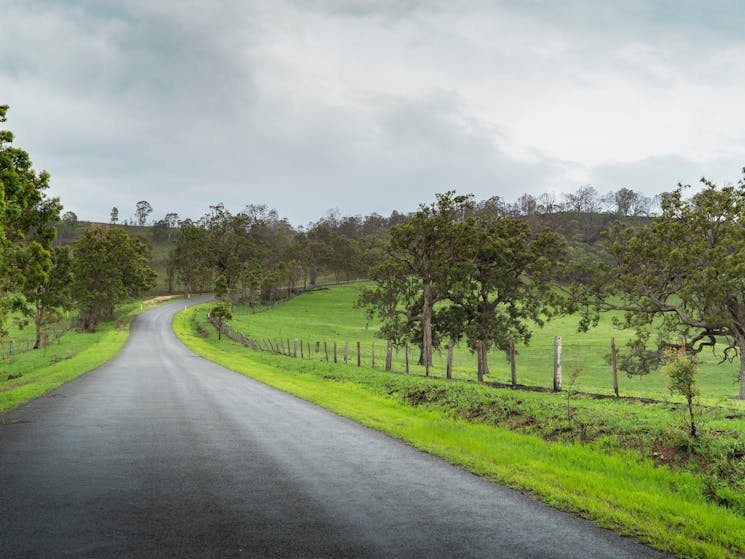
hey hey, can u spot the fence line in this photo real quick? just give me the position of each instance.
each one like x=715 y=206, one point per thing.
x=11 y=348
x=321 y=349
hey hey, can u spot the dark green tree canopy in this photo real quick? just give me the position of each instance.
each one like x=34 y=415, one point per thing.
x=27 y=218
x=109 y=267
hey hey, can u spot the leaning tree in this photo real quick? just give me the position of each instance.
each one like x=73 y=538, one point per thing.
x=683 y=275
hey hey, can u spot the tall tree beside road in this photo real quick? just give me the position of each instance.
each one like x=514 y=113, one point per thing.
x=27 y=218
x=109 y=267
x=504 y=284
x=49 y=291
x=419 y=267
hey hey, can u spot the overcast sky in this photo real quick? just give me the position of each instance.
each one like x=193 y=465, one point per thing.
x=369 y=106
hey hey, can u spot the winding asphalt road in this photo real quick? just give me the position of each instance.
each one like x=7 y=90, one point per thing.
x=160 y=453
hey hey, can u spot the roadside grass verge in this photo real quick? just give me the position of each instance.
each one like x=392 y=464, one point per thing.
x=38 y=371
x=530 y=441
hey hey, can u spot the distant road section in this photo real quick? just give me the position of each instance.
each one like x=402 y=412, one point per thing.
x=160 y=453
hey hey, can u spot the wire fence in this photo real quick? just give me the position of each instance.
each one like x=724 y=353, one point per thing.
x=550 y=368
x=9 y=348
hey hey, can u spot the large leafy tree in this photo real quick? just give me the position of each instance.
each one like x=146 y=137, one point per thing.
x=190 y=259
x=418 y=269
x=504 y=285
x=109 y=267
x=27 y=218
x=682 y=275
x=47 y=289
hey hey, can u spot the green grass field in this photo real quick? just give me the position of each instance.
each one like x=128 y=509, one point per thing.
x=75 y=353
x=329 y=315
x=622 y=463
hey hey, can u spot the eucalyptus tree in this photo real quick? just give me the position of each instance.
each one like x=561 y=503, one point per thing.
x=142 y=210
x=47 y=289
x=418 y=269
x=109 y=267
x=681 y=275
x=505 y=284
x=189 y=261
x=27 y=218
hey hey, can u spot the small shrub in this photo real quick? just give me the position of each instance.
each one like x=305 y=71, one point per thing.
x=680 y=377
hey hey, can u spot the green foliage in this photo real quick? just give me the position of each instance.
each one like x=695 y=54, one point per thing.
x=221 y=314
x=26 y=224
x=680 y=376
x=421 y=264
x=504 y=284
x=189 y=258
x=221 y=287
x=683 y=274
x=109 y=267
x=495 y=276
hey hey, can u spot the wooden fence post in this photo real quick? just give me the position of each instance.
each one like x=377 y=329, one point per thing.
x=359 y=355
x=310 y=355
x=326 y=350
x=346 y=352
x=614 y=363
x=479 y=362
x=557 y=364
x=513 y=365
x=288 y=348
x=389 y=356
x=406 y=349
x=318 y=347
x=372 y=350
x=335 y=361
x=449 y=371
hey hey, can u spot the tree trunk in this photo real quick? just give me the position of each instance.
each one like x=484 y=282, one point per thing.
x=37 y=323
x=427 y=326
x=479 y=361
x=741 y=350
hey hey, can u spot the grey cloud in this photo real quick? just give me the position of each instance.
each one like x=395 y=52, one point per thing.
x=654 y=175
x=177 y=101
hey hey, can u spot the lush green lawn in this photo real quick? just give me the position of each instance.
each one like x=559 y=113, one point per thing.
x=610 y=461
x=329 y=315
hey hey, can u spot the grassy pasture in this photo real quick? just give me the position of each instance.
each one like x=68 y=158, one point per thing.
x=329 y=315
x=622 y=463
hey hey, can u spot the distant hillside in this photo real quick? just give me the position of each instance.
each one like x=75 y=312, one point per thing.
x=582 y=231
x=68 y=231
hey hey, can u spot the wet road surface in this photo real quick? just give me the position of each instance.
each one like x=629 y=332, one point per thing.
x=160 y=453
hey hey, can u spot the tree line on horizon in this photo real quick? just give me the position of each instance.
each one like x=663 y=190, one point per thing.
x=485 y=272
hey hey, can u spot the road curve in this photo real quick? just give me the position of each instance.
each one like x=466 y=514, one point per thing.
x=160 y=453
